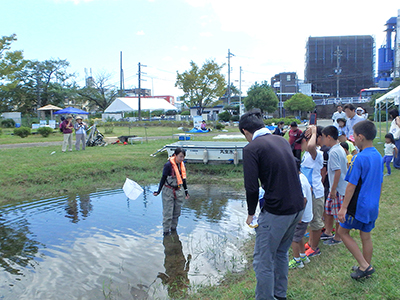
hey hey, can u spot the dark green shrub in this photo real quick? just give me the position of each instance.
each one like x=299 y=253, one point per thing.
x=219 y=126
x=8 y=123
x=224 y=116
x=1 y=131
x=22 y=131
x=45 y=131
x=185 y=113
x=235 y=118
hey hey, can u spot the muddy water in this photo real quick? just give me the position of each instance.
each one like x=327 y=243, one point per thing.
x=103 y=246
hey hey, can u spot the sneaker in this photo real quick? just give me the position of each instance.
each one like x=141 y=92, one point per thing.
x=305 y=259
x=325 y=236
x=311 y=253
x=332 y=242
x=306 y=246
x=293 y=264
x=386 y=175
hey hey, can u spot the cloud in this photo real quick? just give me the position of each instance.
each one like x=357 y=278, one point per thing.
x=141 y=32
x=182 y=48
x=206 y=34
x=167 y=58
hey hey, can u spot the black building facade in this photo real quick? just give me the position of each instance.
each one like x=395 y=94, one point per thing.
x=340 y=65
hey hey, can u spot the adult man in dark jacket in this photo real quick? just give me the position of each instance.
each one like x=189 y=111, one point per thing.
x=269 y=158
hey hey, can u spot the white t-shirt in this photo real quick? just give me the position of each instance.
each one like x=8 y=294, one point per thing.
x=316 y=165
x=389 y=149
x=395 y=130
x=306 y=187
x=337 y=161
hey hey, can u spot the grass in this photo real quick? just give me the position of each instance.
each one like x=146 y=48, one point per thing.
x=32 y=173
x=29 y=173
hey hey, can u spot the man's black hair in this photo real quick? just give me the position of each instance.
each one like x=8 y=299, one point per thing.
x=281 y=123
x=294 y=124
x=349 y=106
x=394 y=113
x=332 y=131
x=341 y=120
x=366 y=128
x=251 y=121
x=345 y=145
x=390 y=136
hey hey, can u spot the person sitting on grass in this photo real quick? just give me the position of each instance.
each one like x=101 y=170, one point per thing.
x=360 y=206
x=299 y=255
x=337 y=168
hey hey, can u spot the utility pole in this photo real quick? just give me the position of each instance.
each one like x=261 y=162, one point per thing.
x=140 y=90
x=338 y=53
x=39 y=99
x=121 y=77
x=229 y=75
x=240 y=92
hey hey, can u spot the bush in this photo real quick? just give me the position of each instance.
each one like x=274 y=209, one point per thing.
x=235 y=118
x=108 y=128
x=286 y=120
x=22 y=131
x=1 y=131
x=185 y=113
x=224 y=116
x=45 y=131
x=8 y=123
x=219 y=126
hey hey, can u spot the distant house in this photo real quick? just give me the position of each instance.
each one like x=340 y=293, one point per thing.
x=209 y=113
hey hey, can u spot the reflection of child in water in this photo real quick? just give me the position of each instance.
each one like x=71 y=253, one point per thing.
x=176 y=267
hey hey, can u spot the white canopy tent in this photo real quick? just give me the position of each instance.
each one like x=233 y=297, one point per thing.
x=128 y=104
x=393 y=94
x=386 y=101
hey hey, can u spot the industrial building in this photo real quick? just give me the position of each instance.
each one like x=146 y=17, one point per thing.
x=340 y=65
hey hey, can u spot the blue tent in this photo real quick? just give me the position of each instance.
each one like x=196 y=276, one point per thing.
x=71 y=110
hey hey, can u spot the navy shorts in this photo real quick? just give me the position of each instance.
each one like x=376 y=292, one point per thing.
x=352 y=223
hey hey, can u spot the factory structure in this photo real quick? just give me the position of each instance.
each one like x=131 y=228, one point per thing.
x=343 y=66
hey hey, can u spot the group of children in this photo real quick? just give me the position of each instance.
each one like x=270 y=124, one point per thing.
x=355 y=175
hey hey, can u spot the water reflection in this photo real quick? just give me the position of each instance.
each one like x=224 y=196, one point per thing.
x=102 y=245
x=176 y=267
x=72 y=210
x=17 y=250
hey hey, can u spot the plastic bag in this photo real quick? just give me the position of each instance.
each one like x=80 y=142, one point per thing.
x=132 y=189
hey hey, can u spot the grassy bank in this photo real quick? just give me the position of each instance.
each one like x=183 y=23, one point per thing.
x=31 y=173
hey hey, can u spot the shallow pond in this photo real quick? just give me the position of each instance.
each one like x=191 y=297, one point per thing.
x=103 y=246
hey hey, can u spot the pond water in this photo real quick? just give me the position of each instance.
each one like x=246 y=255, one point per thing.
x=104 y=246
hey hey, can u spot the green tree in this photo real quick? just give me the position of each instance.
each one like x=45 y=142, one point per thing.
x=40 y=83
x=261 y=96
x=99 y=92
x=11 y=62
x=299 y=102
x=395 y=83
x=203 y=86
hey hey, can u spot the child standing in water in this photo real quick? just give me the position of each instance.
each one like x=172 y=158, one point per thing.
x=390 y=151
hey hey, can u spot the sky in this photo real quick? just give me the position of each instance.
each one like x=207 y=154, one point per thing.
x=266 y=37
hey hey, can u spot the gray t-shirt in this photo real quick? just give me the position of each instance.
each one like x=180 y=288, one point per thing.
x=337 y=161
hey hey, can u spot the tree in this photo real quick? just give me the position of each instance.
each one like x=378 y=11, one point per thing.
x=40 y=83
x=99 y=92
x=201 y=86
x=261 y=96
x=11 y=62
x=299 y=102
x=395 y=83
